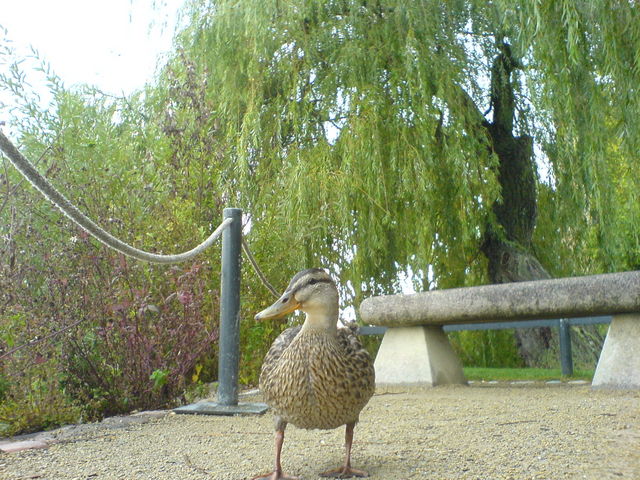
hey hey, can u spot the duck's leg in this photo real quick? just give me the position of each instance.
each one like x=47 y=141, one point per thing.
x=345 y=471
x=277 y=473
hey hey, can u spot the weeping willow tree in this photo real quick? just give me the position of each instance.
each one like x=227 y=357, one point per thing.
x=455 y=142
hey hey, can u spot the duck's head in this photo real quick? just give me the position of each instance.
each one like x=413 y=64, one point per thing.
x=314 y=292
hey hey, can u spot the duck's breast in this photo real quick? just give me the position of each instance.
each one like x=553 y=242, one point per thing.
x=319 y=380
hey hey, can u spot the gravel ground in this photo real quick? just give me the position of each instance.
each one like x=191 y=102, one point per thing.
x=519 y=432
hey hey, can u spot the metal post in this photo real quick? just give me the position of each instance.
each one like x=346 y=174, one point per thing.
x=566 y=359
x=229 y=342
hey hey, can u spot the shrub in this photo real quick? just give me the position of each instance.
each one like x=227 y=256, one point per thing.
x=31 y=397
x=145 y=344
x=142 y=331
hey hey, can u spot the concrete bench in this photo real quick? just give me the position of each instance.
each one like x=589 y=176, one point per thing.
x=415 y=351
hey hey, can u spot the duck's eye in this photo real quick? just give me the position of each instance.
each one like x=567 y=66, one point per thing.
x=285 y=300
x=313 y=281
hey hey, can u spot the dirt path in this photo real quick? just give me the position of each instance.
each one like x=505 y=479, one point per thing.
x=477 y=432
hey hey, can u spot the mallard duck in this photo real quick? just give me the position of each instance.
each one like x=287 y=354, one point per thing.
x=316 y=375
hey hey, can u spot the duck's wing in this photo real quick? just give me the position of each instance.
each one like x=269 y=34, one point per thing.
x=348 y=338
x=360 y=365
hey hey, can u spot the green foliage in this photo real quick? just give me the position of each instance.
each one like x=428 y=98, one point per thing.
x=254 y=347
x=356 y=128
x=159 y=378
x=35 y=400
x=486 y=348
x=345 y=144
x=4 y=387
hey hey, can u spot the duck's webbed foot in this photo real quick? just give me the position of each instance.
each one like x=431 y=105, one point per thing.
x=344 y=472
x=275 y=475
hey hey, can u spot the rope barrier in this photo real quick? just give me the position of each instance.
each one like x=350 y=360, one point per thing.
x=256 y=268
x=70 y=210
x=41 y=184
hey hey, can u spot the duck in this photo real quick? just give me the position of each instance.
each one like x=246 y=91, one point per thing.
x=315 y=375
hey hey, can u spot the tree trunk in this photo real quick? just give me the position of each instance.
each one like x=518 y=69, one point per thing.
x=507 y=242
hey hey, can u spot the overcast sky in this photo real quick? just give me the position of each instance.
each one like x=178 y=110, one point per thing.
x=113 y=44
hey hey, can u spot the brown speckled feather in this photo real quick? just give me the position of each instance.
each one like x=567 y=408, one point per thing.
x=317 y=379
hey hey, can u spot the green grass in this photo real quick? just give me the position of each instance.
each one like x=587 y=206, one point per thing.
x=536 y=374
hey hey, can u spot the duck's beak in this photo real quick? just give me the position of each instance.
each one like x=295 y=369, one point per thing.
x=285 y=304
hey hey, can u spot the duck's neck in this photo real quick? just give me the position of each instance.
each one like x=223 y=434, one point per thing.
x=321 y=319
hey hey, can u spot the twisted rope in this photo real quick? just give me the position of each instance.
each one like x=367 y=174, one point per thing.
x=70 y=210
x=256 y=268
x=30 y=173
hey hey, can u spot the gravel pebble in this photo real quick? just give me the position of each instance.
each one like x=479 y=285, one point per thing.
x=478 y=432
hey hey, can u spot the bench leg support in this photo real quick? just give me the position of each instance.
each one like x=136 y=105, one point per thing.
x=416 y=357
x=619 y=363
